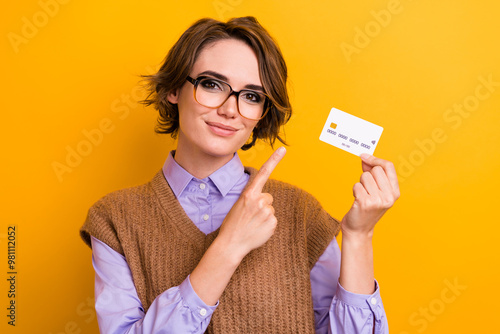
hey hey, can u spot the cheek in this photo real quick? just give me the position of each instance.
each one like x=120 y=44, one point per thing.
x=249 y=126
x=252 y=125
x=185 y=98
x=187 y=119
x=189 y=111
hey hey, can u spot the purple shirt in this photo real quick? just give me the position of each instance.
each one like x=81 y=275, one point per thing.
x=180 y=310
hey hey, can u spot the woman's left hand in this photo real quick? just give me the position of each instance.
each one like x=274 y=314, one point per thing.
x=376 y=192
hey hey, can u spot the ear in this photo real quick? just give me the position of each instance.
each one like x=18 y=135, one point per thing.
x=173 y=96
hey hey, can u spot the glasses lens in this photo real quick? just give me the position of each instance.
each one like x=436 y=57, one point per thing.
x=213 y=93
x=251 y=104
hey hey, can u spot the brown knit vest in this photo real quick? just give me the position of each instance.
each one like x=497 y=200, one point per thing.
x=270 y=290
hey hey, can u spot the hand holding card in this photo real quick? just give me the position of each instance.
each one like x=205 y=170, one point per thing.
x=374 y=194
x=378 y=188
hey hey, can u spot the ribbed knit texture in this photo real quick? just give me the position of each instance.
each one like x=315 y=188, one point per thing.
x=270 y=290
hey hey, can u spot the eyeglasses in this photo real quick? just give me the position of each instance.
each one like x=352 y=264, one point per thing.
x=213 y=93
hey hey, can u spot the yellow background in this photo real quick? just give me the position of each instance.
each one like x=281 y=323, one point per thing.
x=80 y=68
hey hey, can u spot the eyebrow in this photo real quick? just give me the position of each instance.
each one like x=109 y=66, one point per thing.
x=224 y=78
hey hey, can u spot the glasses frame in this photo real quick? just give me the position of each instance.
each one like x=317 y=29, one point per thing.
x=196 y=81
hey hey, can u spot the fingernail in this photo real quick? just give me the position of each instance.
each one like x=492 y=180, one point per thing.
x=282 y=150
x=365 y=156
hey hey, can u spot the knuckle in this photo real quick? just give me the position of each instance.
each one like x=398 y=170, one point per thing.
x=268 y=210
x=247 y=196
x=267 y=204
x=376 y=203
x=365 y=176
x=397 y=194
x=264 y=170
x=270 y=200
x=261 y=204
x=273 y=222
x=387 y=203
x=357 y=189
x=371 y=203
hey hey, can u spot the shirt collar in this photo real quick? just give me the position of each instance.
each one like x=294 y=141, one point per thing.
x=224 y=179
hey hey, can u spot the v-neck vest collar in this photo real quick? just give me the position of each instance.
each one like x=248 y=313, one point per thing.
x=174 y=211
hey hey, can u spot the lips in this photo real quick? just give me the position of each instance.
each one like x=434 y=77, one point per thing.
x=221 y=129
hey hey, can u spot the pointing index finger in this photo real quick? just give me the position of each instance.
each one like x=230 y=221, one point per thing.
x=267 y=168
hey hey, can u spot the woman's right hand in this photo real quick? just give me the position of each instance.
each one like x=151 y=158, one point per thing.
x=248 y=225
x=251 y=221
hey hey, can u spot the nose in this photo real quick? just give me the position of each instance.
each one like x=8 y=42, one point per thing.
x=230 y=107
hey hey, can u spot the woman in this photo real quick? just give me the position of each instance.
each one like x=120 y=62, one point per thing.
x=211 y=246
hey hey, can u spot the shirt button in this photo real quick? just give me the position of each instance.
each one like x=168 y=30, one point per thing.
x=203 y=312
x=373 y=301
x=202 y=186
x=205 y=217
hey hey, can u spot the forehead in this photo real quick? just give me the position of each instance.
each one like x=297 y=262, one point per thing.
x=232 y=58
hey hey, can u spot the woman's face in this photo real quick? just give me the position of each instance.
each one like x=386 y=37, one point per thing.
x=222 y=131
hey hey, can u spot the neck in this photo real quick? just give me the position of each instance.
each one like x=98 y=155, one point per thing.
x=199 y=164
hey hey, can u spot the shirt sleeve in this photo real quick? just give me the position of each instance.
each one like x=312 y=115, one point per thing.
x=338 y=311
x=119 y=309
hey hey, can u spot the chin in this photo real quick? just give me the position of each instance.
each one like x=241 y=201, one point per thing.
x=221 y=150
x=212 y=145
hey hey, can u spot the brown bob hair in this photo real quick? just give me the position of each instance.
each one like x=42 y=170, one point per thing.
x=180 y=60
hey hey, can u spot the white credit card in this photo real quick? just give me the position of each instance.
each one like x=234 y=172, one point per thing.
x=350 y=133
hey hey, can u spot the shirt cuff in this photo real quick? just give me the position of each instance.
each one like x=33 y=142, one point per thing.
x=373 y=301
x=193 y=302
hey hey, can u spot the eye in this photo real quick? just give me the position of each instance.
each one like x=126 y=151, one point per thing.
x=211 y=85
x=251 y=97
